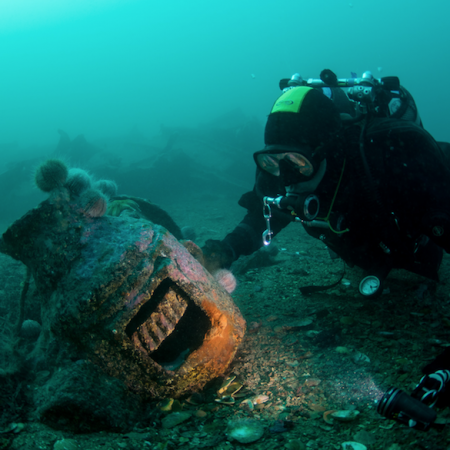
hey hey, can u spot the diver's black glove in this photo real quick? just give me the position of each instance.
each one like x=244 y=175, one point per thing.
x=217 y=255
x=442 y=362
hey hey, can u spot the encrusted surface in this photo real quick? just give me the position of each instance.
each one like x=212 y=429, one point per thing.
x=129 y=295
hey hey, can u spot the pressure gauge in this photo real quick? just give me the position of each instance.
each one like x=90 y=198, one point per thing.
x=370 y=286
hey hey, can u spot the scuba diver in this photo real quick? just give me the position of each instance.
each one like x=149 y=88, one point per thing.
x=350 y=160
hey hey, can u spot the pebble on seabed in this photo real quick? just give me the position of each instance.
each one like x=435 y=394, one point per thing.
x=345 y=415
x=350 y=445
x=245 y=430
x=174 y=419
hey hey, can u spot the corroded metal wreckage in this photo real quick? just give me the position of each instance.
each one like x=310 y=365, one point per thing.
x=128 y=295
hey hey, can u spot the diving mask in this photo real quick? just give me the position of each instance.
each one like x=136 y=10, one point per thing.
x=274 y=157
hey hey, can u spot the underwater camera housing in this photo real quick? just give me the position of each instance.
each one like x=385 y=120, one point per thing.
x=370 y=94
x=415 y=410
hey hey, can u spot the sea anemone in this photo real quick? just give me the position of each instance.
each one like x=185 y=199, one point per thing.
x=50 y=175
x=94 y=203
x=78 y=181
x=107 y=187
x=226 y=279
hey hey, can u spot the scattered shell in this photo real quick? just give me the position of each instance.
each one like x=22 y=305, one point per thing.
x=225 y=384
x=65 y=444
x=242 y=393
x=166 y=404
x=306 y=355
x=327 y=416
x=247 y=404
x=15 y=427
x=316 y=407
x=258 y=399
x=227 y=400
x=200 y=413
x=290 y=340
x=292 y=363
x=195 y=399
x=359 y=357
x=232 y=389
x=312 y=333
x=298 y=324
x=310 y=382
x=174 y=419
x=345 y=415
x=343 y=350
x=350 y=445
x=177 y=406
x=253 y=326
x=245 y=430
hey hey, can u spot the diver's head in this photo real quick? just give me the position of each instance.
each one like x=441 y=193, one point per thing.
x=298 y=135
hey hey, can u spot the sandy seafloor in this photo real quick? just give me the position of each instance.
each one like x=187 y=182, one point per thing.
x=350 y=353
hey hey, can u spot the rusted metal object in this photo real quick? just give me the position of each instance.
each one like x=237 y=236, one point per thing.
x=128 y=295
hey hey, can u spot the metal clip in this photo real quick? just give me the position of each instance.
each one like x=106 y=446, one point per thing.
x=267 y=235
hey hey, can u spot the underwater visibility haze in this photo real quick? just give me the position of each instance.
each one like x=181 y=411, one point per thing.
x=152 y=111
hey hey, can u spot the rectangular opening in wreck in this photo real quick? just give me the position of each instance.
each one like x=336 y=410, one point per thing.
x=169 y=326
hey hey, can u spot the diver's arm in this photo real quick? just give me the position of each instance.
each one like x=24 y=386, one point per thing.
x=247 y=237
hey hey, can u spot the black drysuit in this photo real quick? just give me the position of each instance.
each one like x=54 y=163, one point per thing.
x=393 y=198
